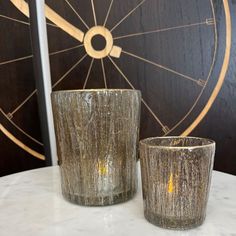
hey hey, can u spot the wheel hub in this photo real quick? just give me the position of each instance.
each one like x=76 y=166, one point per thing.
x=106 y=34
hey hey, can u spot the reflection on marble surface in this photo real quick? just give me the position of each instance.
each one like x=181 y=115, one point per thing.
x=31 y=204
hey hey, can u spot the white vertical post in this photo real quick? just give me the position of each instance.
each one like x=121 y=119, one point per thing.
x=43 y=47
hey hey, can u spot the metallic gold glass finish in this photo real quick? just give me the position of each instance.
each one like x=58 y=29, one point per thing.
x=97 y=137
x=176 y=174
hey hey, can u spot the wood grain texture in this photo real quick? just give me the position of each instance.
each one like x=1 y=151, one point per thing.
x=16 y=84
x=177 y=44
x=183 y=41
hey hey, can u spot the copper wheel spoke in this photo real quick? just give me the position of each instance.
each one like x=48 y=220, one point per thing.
x=128 y=14
x=69 y=71
x=78 y=15
x=130 y=84
x=88 y=74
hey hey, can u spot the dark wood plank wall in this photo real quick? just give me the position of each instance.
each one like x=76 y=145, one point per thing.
x=189 y=51
x=16 y=84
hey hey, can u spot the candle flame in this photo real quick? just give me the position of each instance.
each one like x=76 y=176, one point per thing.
x=170 y=184
x=102 y=168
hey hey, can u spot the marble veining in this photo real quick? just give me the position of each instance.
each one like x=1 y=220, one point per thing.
x=31 y=203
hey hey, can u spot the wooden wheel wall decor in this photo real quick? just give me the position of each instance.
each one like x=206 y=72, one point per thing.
x=167 y=49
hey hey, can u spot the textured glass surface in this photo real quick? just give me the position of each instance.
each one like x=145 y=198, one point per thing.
x=176 y=174
x=97 y=137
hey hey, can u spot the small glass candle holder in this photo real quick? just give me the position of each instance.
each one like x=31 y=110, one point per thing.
x=97 y=135
x=176 y=176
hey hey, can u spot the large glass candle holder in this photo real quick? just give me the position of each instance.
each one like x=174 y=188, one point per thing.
x=97 y=138
x=176 y=174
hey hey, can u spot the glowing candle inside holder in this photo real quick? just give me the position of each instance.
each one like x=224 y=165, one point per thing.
x=97 y=134
x=176 y=175
x=170 y=184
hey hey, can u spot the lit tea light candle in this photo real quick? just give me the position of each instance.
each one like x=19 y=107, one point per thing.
x=102 y=167
x=105 y=185
x=178 y=169
x=171 y=184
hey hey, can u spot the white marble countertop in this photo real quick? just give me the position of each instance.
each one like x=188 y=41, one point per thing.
x=31 y=204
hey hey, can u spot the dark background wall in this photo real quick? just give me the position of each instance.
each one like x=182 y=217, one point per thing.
x=19 y=110
x=220 y=122
x=184 y=47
